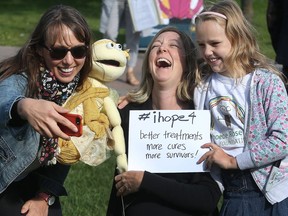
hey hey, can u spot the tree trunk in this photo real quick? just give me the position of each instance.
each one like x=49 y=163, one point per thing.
x=247 y=8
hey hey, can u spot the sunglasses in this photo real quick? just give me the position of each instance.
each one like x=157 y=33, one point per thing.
x=58 y=53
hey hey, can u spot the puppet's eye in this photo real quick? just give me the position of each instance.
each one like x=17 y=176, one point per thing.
x=110 y=45
x=118 y=46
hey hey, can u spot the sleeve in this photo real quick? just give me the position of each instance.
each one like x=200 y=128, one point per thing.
x=270 y=143
x=202 y=194
x=16 y=86
x=51 y=179
x=114 y=207
x=16 y=120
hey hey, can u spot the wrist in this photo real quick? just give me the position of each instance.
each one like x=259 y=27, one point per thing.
x=48 y=198
x=20 y=110
x=234 y=163
x=16 y=119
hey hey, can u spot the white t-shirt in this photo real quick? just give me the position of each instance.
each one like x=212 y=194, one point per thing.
x=227 y=100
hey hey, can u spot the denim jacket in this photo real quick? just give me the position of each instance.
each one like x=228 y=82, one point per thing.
x=19 y=144
x=266 y=133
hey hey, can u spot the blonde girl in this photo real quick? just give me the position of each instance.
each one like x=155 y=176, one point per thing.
x=248 y=102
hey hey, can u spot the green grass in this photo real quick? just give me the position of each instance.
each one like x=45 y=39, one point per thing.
x=88 y=187
x=18 y=17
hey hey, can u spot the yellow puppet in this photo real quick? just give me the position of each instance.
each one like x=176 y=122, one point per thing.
x=102 y=131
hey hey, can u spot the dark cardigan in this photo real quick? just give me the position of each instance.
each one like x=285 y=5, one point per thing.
x=174 y=194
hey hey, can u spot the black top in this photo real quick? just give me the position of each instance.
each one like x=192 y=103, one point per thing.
x=277 y=23
x=174 y=194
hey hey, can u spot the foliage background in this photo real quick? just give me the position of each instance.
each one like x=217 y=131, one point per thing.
x=89 y=187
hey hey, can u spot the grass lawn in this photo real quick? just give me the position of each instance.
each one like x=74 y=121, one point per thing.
x=88 y=187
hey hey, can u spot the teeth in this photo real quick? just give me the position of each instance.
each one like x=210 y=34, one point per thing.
x=162 y=62
x=213 y=59
x=163 y=59
x=66 y=70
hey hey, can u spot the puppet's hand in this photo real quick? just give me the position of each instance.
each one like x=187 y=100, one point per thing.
x=122 y=163
x=119 y=148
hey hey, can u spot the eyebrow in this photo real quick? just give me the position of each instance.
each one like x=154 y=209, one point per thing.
x=175 y=40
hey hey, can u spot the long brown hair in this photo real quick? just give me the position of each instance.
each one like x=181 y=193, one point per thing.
x=49 y=28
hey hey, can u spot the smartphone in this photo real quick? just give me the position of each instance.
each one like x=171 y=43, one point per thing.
x=76 y=119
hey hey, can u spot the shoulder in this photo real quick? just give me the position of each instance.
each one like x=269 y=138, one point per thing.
x=266 y=78
x=262 y=73
x=124 y=112
x=20 y=77
x=269 y=86
x=14 y=83
x=147 y=105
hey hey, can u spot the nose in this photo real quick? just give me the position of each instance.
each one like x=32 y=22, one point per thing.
x=68 y=59
x=162 y=48
x=207 y=51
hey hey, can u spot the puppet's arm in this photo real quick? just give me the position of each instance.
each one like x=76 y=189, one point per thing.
x=117 y=133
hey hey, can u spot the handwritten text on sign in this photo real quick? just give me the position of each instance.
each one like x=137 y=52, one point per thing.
x=167 y=140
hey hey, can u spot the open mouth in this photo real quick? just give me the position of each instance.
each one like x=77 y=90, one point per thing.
x=162 y=62
x=110 y=62
x=66 y=70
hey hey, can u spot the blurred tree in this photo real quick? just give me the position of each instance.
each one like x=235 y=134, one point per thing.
x=247 y=8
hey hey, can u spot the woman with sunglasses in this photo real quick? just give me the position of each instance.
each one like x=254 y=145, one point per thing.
x=34 y=83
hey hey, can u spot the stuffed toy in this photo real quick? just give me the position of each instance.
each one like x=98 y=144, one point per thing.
x=97 y=104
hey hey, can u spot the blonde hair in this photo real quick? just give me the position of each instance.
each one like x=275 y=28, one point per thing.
x=245 y=53
x=189 y=77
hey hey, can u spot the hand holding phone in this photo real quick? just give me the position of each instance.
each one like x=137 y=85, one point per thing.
x=76 y=119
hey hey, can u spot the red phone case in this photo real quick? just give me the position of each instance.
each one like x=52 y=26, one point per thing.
x=76 y=119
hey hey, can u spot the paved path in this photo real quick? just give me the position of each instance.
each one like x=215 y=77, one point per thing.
x=120 y=85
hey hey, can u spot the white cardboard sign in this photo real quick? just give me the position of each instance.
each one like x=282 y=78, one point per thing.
x=164 y=141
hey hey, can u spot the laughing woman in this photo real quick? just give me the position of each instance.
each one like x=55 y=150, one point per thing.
x=169 y=72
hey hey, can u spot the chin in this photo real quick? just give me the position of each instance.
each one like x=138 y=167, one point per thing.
x=65 y=78
x=217 y=69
